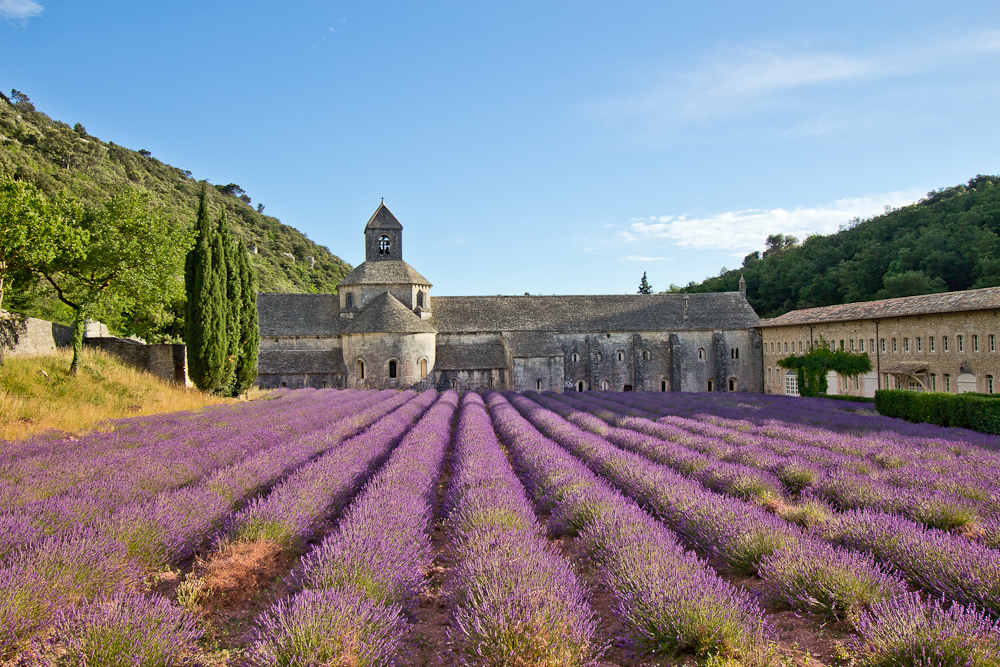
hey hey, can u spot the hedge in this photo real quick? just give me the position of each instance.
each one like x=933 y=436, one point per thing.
x=849 y=397
x=978 y=412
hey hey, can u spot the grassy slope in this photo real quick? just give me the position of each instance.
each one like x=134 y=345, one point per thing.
x=948 y=241
x=38 y=394
x=55 y=156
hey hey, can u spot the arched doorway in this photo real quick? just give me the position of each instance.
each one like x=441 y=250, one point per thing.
x=732 y=384
x=663 y=385
x=627 y=387
x=710 y=385
x=580 y=386
x=361 y=369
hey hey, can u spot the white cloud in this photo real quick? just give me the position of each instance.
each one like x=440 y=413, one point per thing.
x=747 y=230
x=20 y=10
x=644 y=258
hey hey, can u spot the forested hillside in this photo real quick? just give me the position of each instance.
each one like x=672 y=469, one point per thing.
x=55 y=156
x=948 y=241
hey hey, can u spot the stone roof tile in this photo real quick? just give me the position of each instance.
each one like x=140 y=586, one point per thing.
x=947 y=302
x=383 y=219
x=385 y=314
x=583 y=314
x=529 y=344
x=288 y=362
x=384 y=272
x=475 y=356
x=298 y=314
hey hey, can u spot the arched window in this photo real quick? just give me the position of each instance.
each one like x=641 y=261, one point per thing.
x=710 y=385
x=423 y=368
x=663 y=385
x=576 y=357
x=738 y=351
x=384 y=248
x=454 y=383
x=284 y=384
x=420 y=299
x=732 y=353
x=701 y=353
x=579 y=385
x=491 y=381
x=646 y=356
x=605 y=386
x=538 y=384
x=392 y=368
x=325 y=384
x=621 y=356
x=361 y=370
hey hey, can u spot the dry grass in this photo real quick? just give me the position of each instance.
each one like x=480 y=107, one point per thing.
x=38 y=394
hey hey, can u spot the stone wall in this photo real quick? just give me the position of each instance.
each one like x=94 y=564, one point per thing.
x=166 y=361
x=30 y=336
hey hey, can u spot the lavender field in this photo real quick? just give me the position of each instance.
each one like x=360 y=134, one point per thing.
x=350 y=528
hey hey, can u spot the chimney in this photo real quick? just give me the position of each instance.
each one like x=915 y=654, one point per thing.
x=743 y=287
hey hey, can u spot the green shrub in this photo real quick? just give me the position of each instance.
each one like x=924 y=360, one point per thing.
x=856 y=399
x=978 y=412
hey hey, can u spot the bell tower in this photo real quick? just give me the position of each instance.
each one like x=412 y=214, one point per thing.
x=383 y=236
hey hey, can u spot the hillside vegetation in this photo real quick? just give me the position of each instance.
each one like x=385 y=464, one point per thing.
x=55 y=156
x=948 y=241
x=37 y=394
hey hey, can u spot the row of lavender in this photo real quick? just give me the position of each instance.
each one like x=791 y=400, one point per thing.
x=952 y=489
x=830 y=572
x=110 y=554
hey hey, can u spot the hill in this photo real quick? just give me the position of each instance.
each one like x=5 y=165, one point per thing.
x=55 y=156
x=946 y=242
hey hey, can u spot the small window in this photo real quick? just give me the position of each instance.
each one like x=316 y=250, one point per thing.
x=989 y=384
x=491 y=381
x=663 y=385
x=284 y=384
x=933 y=382
x=786 y=348
x=423 y=368
x=384 y=247
x=701 y=352
x=538 y=385
x=861 y=345
x=732 y=384
x=325 y=384
x=772 y=348
x=931 y=341
x=947 y=382
x=646 y=356
x=975 y=343
x=600 y=357
x=738 y=350
x=605 y=386
x=710 y=382
x=993 y=343
x=350 y=299
x=392 y=369
x=621 y=356
x=841 y=344
x=944 y=343
x=852 y=345
x=732 y=353
x=361 y=370
x=906 y=344
x=920 y=344
x=882 y=343
x=857 y=382
x=420 y=299
x=579 y=385
x=454 y=383
x=894 y=345
x=871 y=344
x=961 y=343
x=576 y=357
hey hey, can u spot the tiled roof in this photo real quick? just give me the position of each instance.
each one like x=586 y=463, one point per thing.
x=947 y=302
x=300 y=361
x=383 y=219
x=298 y=314
x=476 y=356
x=385 y=314
x=527 y=344
x=575 y=314
x=384 y=272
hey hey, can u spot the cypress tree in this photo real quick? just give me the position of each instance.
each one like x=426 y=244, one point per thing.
x=220 y=276
x=246 y=364
x=204 y=327
x=233 y=303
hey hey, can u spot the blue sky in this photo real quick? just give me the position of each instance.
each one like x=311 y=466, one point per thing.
x=543 y=147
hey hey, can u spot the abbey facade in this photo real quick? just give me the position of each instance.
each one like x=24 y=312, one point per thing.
x=384 y=329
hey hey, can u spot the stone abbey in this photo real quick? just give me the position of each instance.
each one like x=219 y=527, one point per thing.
x=384 y=329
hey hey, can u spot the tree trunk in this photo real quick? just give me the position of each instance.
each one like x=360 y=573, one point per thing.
x=78 y=325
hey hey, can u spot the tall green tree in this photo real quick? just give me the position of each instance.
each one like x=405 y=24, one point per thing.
x=128 y=261
x=644 y=287
x=206 y=313
x=233 y=301
x=246 y=363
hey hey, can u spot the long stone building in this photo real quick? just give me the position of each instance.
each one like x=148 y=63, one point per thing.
x=384 y=329
x=934 y=342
